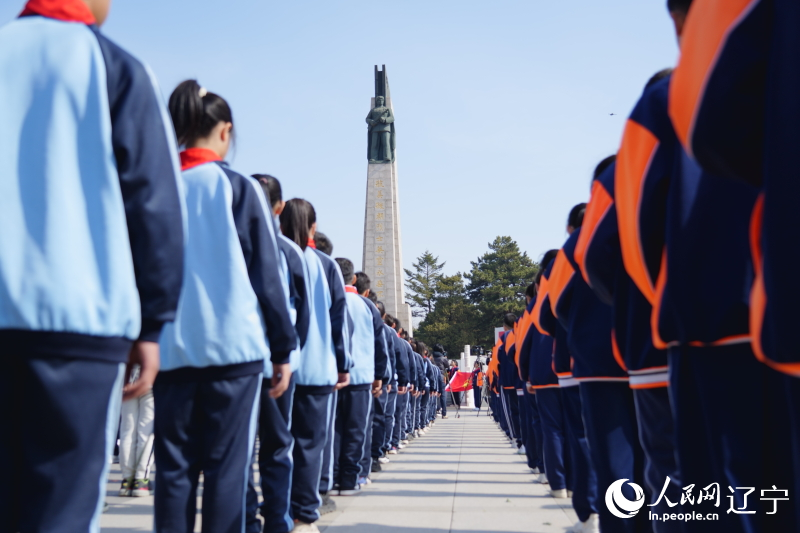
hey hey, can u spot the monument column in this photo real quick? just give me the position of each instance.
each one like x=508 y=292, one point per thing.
x=383 y=256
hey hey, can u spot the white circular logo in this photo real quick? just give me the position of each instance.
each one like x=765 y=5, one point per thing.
x=619 y=505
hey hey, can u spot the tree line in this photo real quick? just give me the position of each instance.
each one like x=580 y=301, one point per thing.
x=464 y=308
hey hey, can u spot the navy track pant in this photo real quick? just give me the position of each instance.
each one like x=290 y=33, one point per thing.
x=366 y=458
x=352 y=414
x=512 y=412
x=58 y=423
x=379 y=424
x=476 y=394
x=399 y=432
x=533 y=446
x=609 y=418
x=274 y=463
x=391 y=408
x=657 y=437
x=310 y=417
x=208 y=426
x=422 y=412
x=584 y=479
x=326 y=476
x=731 y=428
x=555 y=446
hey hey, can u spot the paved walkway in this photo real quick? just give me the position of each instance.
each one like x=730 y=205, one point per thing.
x=461 y=477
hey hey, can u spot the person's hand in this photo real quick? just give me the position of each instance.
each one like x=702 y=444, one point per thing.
x=389 y=387
x=530 y=388
x=343 y=381
x=145 y=354
x=376 y=388
x=402 y=390
x=281 y=375
x=411 y=388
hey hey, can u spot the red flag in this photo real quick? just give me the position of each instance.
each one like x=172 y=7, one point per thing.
x=461 y=381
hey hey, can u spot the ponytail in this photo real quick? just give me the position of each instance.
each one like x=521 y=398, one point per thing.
x=195 y=112
x=575 y=218
x=296 y=220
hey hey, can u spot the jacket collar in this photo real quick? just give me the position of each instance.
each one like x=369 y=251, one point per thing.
x=350 y=288
x=65 y=10
x=193 y=157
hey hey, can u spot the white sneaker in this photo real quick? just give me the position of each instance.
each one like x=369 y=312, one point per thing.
x=392 y=452
x=543 y=479
x=302 y=527
x=401 y=446
x=404 y=442
x=559 y=493
x=577 y=528
x=350 y=492
x=569 y=494
x=476 y=408
x=535 y=471
x=521 y=450
x=592 y=525
x=383 y=460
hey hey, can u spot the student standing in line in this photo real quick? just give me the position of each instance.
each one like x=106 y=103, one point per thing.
x=401 y=358
x=324 y=364
x=368 y=350
x=92 y=226
x=477 y=384
x=583 y=476
x=530 y=409
x=274 y=421
x=233 y=310
x=391 y=404
x=508 y=380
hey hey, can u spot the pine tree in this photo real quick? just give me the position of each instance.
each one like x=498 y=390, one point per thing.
x=421 y=283
x=452 y=321
x=496 y=285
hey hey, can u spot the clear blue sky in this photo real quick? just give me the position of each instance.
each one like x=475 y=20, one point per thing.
x=502 y=107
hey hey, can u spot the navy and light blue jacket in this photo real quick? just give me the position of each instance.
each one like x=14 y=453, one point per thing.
x=233 y=308
x=91 y=256
x=367 y=343
x=338 y=310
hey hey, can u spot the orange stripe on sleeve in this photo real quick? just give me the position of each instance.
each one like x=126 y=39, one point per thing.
x=658 y=342
x=598 y=207
x=704 y=37
x=559 y=279
x=617 y=354
x=536 y=312
x=633 y=163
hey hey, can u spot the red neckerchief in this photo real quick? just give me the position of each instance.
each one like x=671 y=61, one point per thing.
x=350 y=288
x=66 y=10
x=311 y=243
x=193 y=157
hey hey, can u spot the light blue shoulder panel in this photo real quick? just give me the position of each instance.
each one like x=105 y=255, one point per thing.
x=362 y=347
x=65 y=258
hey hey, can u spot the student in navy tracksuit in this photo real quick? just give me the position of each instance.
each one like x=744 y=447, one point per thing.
x=232 y=312
x=599 y=255
x=583 y=476
x=368 y=350
x=508 y=379
x=755 y=67
x=422 y=389
x=543 y=380
x=606 y=399
x=402 y=370
x=91 y=256
x=324 y=364
x=391 y=376
x=531 y=416
x=274 y=421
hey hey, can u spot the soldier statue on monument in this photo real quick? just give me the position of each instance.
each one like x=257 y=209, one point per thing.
x=381 y=132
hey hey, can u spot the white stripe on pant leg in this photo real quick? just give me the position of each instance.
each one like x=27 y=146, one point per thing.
x=145 y=426
x=332 y=429
x=287 y=517
x=251 y=439
x=112 y=419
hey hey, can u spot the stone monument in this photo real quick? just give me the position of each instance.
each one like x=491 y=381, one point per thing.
x=383 y=255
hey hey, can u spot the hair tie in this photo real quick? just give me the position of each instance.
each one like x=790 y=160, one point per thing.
x=202 y=92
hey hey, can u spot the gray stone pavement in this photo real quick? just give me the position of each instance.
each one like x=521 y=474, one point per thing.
x=461 y=477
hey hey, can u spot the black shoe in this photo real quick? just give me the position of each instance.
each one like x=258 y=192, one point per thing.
x=328 y=505
x=376 y=467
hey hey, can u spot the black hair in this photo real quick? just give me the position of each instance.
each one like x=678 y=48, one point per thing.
x=530 y=291
x=438 y=348
x=679 y=6
x=347 y=268
x=388 y=319
x=509 y=319
x=601 y=167
x=323 y=243
x=195 y=112
x=272 y=188
x=380 y=306
x=373 y=298
x=658 y=76
x=575 y=218
x=397 y=325
x=362 y=282
x=296 y=220
x=404 y=335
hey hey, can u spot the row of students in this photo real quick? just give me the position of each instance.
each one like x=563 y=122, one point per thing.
x=657 y=354
x=120 y=249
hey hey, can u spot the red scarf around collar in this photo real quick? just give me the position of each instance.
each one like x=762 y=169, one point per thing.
x=66 y=10
x=311 y=243
x=350 y=288
x=192 y=157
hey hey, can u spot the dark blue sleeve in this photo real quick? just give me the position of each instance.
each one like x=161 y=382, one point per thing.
x=413 y=376
x=299 y=291
x=525 y=350
x=338 y=311
x=146 y=156
x=401 y=358
x=260 y=249
x=381 y=351
x=603 y=255
x=420 y=369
